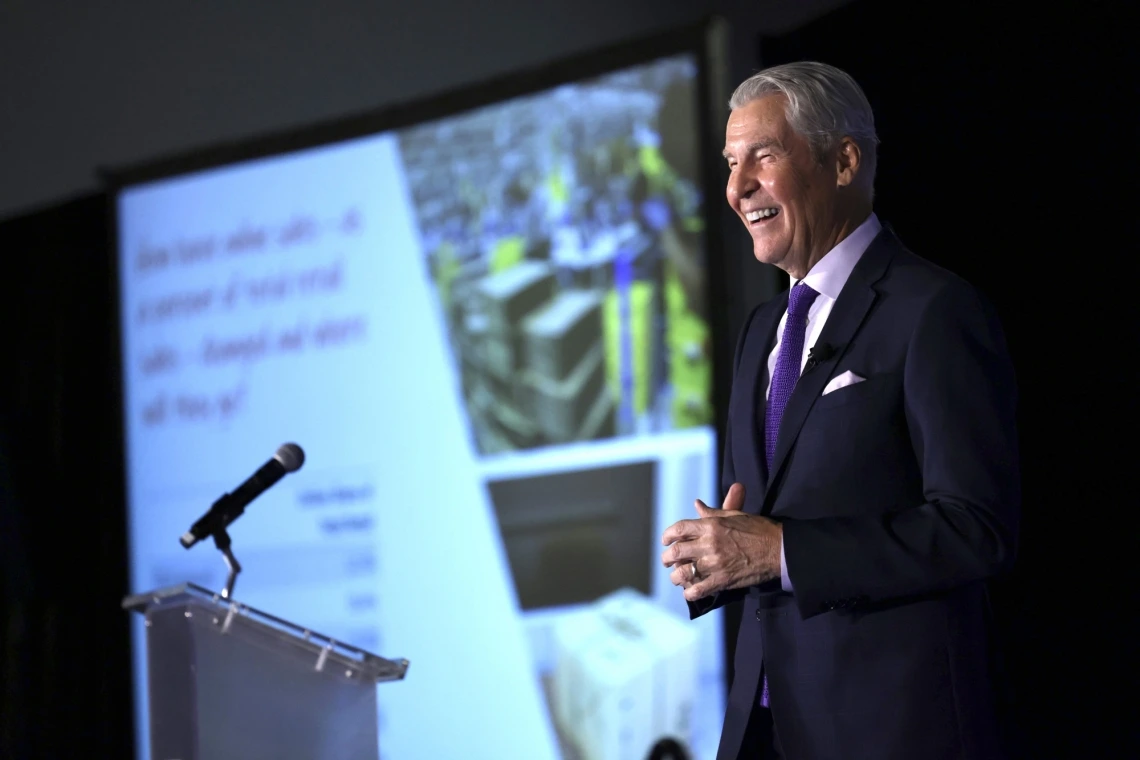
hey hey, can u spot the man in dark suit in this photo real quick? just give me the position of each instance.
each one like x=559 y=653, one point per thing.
x=870 y=462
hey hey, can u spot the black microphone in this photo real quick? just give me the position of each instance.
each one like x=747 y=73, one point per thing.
x=225 y=510
x=817 y=355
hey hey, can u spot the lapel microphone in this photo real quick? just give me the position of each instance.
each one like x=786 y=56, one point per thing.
x=817 y=355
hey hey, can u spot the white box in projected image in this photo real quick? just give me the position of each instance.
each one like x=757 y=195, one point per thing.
x=625 y=677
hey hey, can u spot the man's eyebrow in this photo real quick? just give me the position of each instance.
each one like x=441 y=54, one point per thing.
x=770 y=142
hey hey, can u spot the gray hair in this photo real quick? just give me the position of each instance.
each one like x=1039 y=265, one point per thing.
x=824 y=105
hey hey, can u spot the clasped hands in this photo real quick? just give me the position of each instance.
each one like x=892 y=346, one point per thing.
x=722 y=549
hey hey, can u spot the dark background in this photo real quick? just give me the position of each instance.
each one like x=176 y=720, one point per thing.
x=1007 y=156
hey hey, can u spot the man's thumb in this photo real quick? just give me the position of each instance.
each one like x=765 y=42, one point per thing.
x=734 y=499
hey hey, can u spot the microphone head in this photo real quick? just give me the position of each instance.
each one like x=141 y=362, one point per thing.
x=290 y=456
x=821 y=351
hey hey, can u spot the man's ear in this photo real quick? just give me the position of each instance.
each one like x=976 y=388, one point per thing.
x=848 y=162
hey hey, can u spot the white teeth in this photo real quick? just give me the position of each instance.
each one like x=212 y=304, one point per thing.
x=763 y=213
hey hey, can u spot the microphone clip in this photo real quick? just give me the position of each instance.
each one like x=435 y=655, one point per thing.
x=818 y=354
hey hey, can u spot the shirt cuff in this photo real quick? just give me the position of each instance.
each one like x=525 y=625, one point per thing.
x=785 y=581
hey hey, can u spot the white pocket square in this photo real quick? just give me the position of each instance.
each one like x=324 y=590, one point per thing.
x=842 y=381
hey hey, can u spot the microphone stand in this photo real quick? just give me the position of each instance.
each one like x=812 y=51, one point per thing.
x=222 y=541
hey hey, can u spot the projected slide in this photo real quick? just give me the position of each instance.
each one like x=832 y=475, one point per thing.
x=490 y=335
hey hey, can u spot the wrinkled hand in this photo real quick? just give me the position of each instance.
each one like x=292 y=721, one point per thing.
x=731 y=549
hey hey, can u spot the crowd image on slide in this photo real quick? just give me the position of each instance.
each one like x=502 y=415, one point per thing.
x=564 y=235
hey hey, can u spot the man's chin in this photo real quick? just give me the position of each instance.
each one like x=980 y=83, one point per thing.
x=768 y=254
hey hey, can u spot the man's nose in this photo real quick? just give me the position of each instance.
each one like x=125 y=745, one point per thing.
x=741 y=185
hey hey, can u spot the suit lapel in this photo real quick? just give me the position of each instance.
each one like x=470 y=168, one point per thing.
x=847 y=315
x=754 y=375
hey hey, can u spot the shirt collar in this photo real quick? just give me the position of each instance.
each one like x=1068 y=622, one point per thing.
x=830 y=273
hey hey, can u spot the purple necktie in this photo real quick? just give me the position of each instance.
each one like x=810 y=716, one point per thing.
x=784 y=377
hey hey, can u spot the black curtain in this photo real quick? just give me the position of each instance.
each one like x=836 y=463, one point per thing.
x=64 y=642
x=1006 y=157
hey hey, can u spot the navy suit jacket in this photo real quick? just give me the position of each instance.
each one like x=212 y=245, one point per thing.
x=899 y=496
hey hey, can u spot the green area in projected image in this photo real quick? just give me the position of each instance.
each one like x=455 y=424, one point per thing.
x=564 y=234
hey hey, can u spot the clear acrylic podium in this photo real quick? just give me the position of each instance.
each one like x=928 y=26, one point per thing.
x=227 y=681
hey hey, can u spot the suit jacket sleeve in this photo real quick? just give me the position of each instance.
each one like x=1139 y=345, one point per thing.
x=727 y=478
x=959 y=402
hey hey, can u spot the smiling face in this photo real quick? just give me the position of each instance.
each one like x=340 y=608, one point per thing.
x=795 y=207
